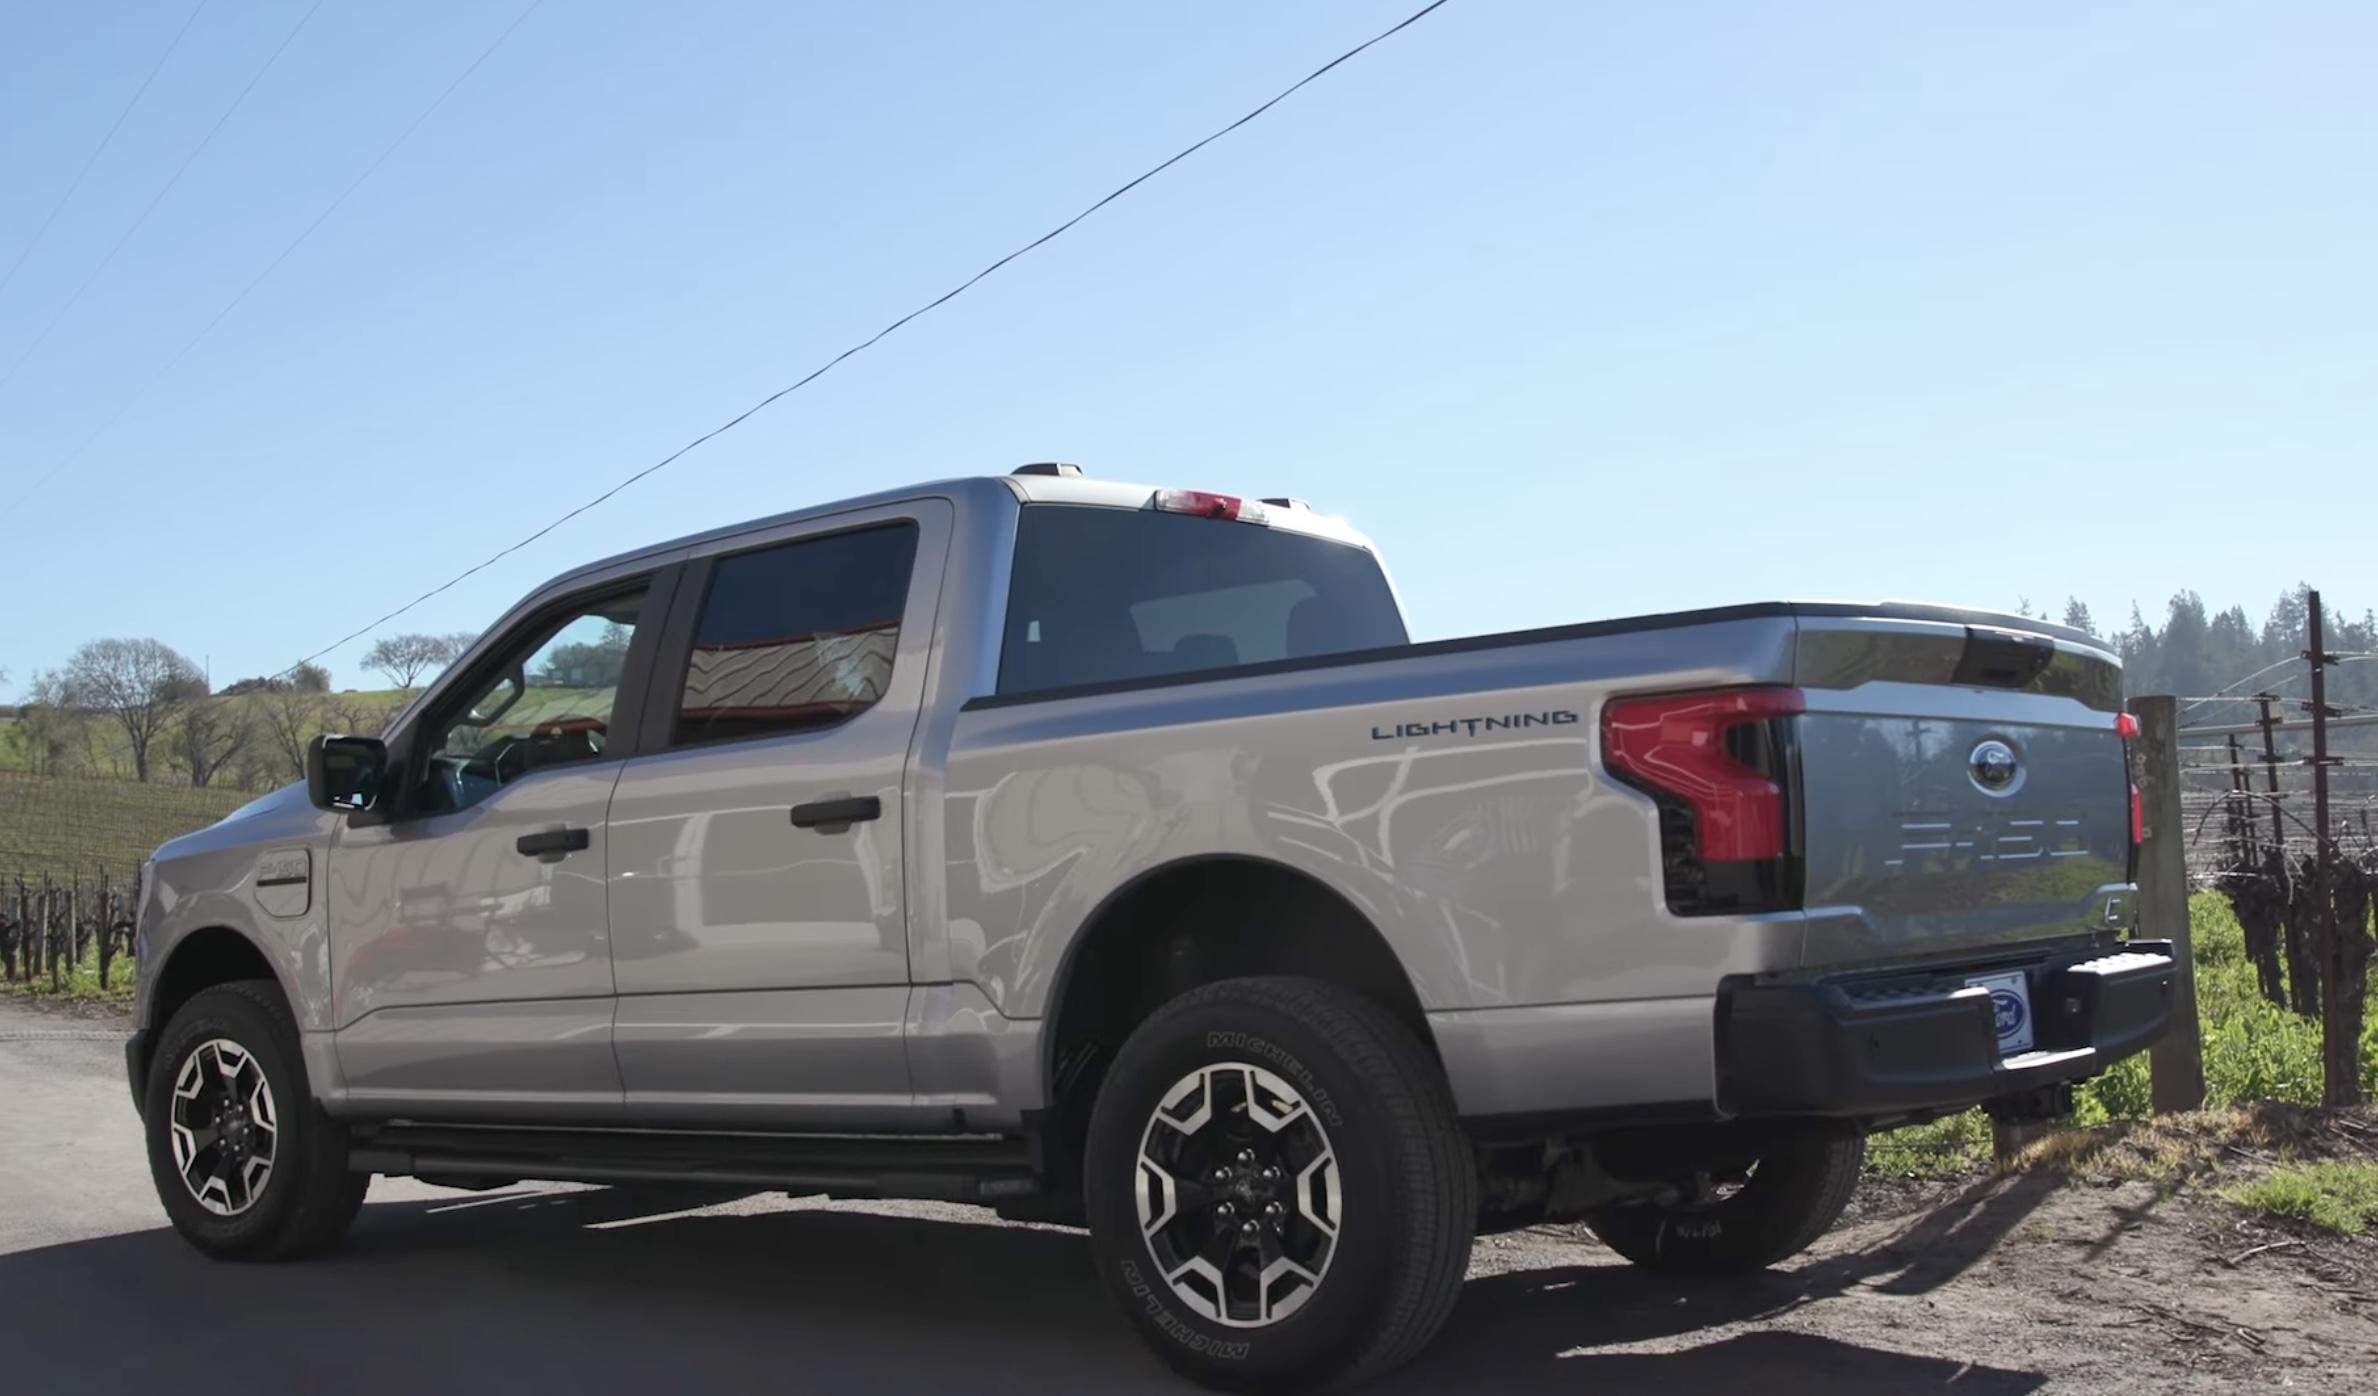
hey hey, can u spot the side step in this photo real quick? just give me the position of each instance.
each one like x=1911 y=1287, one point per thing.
x=974 y=1168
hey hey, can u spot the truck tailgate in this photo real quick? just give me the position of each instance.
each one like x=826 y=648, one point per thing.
x=1962 y=785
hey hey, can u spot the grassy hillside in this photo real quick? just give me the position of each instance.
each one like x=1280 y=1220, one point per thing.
x=97 y=747
x=66 y=827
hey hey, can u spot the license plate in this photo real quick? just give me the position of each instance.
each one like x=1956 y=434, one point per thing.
x=2010 y=1004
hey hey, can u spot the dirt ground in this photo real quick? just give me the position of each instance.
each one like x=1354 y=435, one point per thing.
x=2045 y=1280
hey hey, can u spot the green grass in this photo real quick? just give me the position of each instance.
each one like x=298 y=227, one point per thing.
x=2339 y=1197
x=2254 y=1051
x=1946 y=1148
x=80 y=982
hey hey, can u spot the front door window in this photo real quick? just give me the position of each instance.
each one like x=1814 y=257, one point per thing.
x=546 y=703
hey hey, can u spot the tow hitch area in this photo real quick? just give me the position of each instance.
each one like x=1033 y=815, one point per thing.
x=2037 y=1105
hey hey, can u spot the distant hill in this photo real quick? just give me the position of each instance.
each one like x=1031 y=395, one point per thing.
x=70 y=827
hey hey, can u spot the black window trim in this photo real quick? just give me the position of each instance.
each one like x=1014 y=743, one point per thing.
x=1004 y=598
x=623 y=738
x=675 y=656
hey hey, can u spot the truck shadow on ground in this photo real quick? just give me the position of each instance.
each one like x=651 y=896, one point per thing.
x=599 y=1291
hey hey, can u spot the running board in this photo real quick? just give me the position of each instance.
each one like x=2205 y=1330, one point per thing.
x=978 y=1169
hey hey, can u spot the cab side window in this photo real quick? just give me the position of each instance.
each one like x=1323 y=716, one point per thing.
x=796 y=637
x=547 y=701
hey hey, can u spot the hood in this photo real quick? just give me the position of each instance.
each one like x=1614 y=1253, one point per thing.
x=284 y=814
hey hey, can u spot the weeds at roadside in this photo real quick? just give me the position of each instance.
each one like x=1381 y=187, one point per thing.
x=2337 y=1196
x=78 y=984
x=2254 y=1052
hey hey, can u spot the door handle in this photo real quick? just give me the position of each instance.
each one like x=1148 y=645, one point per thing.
x=552 y=845
x=837 y=814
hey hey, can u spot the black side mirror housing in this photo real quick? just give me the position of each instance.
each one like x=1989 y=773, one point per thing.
x=345 y=774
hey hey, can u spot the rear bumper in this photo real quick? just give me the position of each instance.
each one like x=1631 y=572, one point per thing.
x=1873 y=1047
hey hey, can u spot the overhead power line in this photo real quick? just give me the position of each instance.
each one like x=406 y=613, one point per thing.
x=863 y=345
x=2228 y=689
x=100 y=149
x=176 y=178
x=133 y=398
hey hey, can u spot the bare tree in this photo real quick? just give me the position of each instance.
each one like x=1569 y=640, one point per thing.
x=403 y=659
x=356 y=716
x=209 y=734
x=48 y=727
x=139 y=683
x=290 y=717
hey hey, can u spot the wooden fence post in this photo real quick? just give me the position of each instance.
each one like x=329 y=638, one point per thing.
x=2176 y=1065
x=107 y=929
x=49 y=926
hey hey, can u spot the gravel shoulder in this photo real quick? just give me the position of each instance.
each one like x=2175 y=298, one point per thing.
x=2019 y=1284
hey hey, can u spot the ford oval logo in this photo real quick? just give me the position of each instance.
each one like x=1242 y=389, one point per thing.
x=2009 y=1011
x=1994 y=766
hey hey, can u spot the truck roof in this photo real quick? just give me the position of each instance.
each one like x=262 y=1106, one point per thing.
x=979 y=490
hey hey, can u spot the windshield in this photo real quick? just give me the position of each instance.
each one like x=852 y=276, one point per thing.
x=1099 y=595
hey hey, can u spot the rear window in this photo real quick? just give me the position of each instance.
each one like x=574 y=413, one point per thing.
x=1099 y=595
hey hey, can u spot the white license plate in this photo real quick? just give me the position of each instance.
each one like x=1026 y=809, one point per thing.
x=2010 y=1003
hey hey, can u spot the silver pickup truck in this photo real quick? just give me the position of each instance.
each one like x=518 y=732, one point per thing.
x=1108 y=855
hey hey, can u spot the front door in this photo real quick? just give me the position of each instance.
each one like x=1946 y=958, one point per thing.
x=760 y=941
x=470 y=941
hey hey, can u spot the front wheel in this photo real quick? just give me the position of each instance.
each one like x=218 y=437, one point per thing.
x=1278 y=1190
x=1774 y=1207
x=247 y=1165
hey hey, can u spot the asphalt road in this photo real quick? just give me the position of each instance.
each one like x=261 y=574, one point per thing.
x=580 y=1291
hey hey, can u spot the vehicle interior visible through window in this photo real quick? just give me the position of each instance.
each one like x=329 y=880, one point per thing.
x=546 y=705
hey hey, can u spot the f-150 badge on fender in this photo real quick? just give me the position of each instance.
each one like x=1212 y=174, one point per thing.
x=1472 y=726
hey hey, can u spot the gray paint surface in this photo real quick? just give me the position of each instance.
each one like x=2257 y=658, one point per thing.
x=705 y=962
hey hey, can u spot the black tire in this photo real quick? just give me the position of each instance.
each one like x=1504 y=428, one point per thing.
x=1406 y=1201
x=307 y=1198
x=1792 y=1197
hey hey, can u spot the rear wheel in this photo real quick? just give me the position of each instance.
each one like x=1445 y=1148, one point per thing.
x=248 y=1167
x=1774 y=1207
x=1277 y=1189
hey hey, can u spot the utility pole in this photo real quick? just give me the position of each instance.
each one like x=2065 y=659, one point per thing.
x=2340 y=1050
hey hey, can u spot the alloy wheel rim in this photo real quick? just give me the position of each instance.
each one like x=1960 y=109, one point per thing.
x=1238 y=1195
x=225 y=1128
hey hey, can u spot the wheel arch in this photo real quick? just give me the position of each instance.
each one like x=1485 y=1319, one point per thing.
x=199 y=960
x=1157 y=935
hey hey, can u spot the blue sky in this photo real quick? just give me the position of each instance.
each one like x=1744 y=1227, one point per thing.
x=1580 y=310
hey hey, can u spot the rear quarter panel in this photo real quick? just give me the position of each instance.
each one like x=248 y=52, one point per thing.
x=1499 y=862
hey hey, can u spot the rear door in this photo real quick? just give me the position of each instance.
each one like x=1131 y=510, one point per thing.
x=760 y=937
x=1962 y=787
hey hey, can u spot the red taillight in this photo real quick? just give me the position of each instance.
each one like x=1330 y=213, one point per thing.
x=2138 y=817
x=1208 y=505
x=2126 y=726
x=1678 y=744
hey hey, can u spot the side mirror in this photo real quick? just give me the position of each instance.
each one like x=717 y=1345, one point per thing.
x=345 y=773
